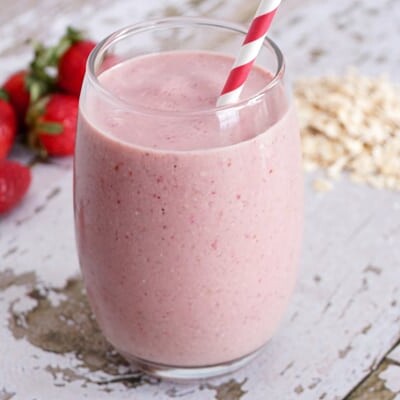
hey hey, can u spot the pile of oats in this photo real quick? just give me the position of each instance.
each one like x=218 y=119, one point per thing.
x=352 y=124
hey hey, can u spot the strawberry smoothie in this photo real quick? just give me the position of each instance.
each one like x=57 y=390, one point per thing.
x=188 y=220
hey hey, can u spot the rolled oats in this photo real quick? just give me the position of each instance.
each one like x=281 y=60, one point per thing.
x=351 y=124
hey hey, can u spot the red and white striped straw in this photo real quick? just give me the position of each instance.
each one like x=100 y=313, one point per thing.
x=248 y=52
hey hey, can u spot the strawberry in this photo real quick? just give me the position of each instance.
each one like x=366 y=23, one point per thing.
x=53 y=124
x=27 y=86
x=73 y=52
x=35 y=94
x=17 y=88
x=14 y=183
x=61 y=65
x=8 y=125
x=72 y=66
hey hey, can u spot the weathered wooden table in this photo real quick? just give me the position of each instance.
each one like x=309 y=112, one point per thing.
x=344 y=321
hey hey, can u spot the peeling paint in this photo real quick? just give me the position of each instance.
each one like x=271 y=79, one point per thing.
x=68 y=326
x=55 y=192
x=366 y=329
x=373 y=269
x=132 y=380
x=40 y=207
x=391 y=376
x=62 y=375
x=314 y=383
x=343 y=353
x=316 y=54
x=10 y=252
x=231 y=390
x=299 y=389
x=8 y=279
x=373 y=388
x=394 y=355
x=289 y=366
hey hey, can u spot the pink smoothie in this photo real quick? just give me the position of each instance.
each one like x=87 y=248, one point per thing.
x=188 y=233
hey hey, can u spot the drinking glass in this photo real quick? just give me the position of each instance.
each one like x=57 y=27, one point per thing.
x=189 y=255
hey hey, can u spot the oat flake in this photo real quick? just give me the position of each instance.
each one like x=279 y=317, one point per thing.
x=351 y=123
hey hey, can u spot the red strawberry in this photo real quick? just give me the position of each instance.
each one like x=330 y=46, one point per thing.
x=8 y=125
x=72 y=66
x=14 y=183
x=17 y=88
x=53 y=124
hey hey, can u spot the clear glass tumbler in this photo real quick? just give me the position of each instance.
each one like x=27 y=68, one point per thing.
x=188 y=245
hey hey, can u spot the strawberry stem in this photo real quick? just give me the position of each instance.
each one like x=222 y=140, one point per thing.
x=42 y=78
x=35 y=110
x=4 y=95
x=49 y=128
x=71 y=37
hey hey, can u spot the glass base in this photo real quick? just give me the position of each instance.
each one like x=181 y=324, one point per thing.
x=187 y=374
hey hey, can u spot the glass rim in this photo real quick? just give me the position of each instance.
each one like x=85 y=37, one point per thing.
x=182 y=21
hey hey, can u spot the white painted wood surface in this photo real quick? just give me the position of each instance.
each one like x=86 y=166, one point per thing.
x=395 y=355
x=345 y=315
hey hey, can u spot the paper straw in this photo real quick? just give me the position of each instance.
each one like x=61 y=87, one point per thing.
x=248 y=52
